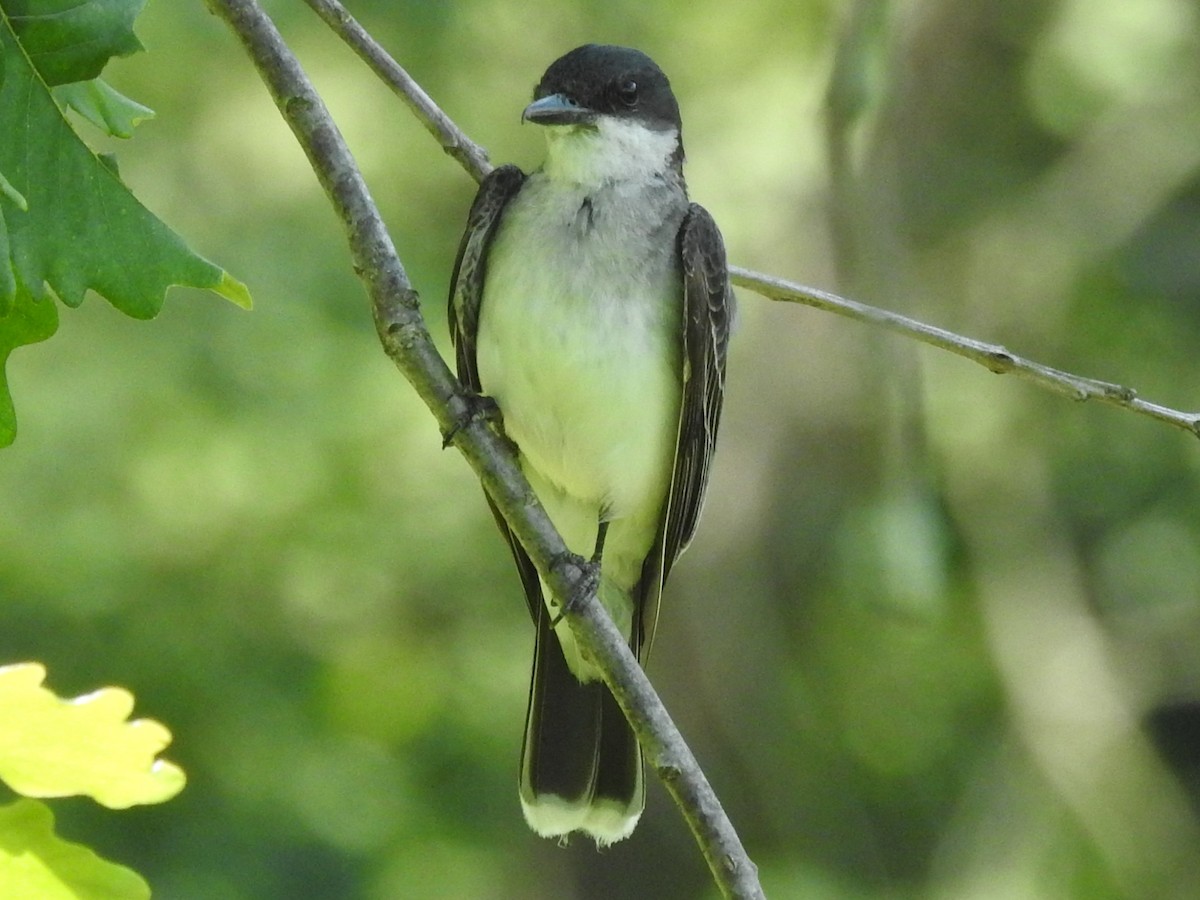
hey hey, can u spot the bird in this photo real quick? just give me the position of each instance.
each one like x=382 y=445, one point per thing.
x=590 y=303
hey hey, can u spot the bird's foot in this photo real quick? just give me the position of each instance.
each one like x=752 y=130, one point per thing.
x=479 y=407
x=584 y=575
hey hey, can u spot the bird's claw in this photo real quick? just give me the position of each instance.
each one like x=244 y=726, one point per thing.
x=479 y=407
x=585 y=585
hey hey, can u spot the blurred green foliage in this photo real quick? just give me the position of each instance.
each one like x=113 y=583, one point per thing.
x=940 y=633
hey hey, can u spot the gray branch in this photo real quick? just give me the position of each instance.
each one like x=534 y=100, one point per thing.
x=453 y=139
x=407 y=342
x=993 y=357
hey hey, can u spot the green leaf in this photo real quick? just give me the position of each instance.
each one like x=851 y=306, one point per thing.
x=67 y=222
x=72 y=40
x=233 y=291
x=83 y=228
x=50 y=747
x=26 y=322
x=107 y=109
x=36 y=864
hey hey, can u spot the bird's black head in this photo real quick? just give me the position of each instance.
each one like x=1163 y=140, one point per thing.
x=602 y=80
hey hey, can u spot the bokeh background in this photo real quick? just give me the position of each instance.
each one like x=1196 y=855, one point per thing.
x=939 y=635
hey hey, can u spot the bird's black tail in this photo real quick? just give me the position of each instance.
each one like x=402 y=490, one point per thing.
x=581 y=768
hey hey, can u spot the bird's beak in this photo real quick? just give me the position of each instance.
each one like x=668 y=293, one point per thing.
x=557 y=109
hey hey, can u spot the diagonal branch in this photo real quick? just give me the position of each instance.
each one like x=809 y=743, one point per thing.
x=453 y=139
x=993 y=357
x=407 y=342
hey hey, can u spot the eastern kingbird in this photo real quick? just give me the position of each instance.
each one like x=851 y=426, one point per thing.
x=591 y=301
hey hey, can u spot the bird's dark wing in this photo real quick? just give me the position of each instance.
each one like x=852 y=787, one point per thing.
x=708 y=312
x=466 y=296
x=470 y=266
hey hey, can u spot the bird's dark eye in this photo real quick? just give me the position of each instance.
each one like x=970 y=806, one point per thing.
x=628 y=92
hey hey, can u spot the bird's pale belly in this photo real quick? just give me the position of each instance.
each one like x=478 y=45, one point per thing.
x=578 y=342
x=591 y=398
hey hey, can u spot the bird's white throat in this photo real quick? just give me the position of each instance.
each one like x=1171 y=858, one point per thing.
x=609 y=150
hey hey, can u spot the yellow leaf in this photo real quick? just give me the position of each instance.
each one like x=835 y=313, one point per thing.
x=36 y=864
x=51 y=747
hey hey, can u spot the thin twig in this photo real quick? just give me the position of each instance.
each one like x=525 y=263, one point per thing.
x=993 y=357
x=454 y=141
x=407 y=342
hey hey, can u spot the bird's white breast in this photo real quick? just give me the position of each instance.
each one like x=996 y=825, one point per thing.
x=579 y=337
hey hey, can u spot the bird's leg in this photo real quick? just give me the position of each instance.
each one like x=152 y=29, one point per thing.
x=601 y=534
x=591 y=581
